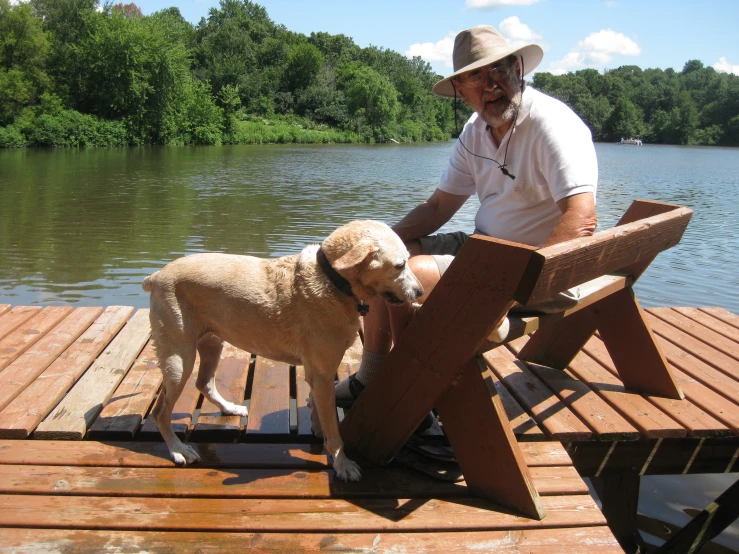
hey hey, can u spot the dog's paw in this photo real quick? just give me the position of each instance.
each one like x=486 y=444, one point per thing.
x=235 y=410
x=185 y=455
x=347 y=470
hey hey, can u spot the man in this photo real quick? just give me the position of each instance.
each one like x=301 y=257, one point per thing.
x=527 y=156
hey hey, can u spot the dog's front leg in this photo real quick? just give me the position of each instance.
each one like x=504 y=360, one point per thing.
x=324 y=402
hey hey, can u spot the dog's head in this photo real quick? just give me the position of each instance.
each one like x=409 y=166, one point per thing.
x=374 y=260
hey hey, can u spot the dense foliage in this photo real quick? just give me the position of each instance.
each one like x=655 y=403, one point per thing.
x=695 y=106
x=72 y=74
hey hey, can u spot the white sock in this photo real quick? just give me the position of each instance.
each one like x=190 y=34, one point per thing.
x=501 y=333
x=371 y=361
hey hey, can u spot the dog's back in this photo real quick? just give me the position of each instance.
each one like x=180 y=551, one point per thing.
x=267 y=307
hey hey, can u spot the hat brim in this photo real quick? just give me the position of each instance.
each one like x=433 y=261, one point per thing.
x=532 y=55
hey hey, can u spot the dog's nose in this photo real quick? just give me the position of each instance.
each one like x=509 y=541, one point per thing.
x=419 y=292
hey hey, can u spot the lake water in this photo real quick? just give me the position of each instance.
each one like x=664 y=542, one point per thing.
x=84 y=227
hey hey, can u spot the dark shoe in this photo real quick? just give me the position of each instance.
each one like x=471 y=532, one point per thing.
x=427 y=422
x=347 y=391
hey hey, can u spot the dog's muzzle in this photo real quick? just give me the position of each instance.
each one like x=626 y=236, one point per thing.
x=391 y=298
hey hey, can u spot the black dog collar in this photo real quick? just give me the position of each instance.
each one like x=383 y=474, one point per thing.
x=338 y=281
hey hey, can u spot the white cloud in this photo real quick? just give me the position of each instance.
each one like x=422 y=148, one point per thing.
x=610 y=4
x=517 y=33
x=726 y=67
x=596 y=51
x=494 y=4
x=440 y=51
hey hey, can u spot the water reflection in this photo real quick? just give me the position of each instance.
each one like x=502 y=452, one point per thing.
x=85 y=226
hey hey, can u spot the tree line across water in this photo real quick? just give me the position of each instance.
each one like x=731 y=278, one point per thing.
x=74 y=74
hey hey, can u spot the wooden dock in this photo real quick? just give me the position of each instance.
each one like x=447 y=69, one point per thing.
x=82 y=468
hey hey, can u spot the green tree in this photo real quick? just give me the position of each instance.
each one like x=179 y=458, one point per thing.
x=136 y=73
x=23 y=51
x=233 y=48
x=67 y=22
x=304 y=62
x=625 y=121
x=371 y=98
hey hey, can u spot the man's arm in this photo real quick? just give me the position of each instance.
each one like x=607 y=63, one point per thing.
x=578 y=218
x=427 y=217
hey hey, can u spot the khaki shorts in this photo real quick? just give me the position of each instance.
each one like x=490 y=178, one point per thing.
x=444 y=246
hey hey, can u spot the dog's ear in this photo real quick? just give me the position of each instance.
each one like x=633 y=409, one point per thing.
x=356 y=255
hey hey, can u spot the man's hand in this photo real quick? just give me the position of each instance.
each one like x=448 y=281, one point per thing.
x=578 y=218
x=429 y=216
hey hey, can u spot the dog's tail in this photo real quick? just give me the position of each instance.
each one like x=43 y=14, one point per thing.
x=148 y=283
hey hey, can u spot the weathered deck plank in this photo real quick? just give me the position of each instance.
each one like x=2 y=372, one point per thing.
x=692 y=381
x=269 y=411
x=16 y=317
x=607 y=423
x=28 y=366
x=29 y=332
x=722 y=315
x=697 y=422
x=302 y=392
x=532 y=541
x=231 y=377
x=216 y=455
x=125 y=410
x=548 y=411
x=21 y=416
x=647 y=418
x=288 y=515
x=76 y=413
x=699 y=331
x=253 y=483
x=721 y=361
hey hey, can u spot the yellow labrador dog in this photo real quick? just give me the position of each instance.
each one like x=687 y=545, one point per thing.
x=300 y=309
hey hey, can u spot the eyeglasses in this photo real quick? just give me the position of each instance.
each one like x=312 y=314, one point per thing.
x=498 y=74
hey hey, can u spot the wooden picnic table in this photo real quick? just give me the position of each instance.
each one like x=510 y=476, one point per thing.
x=83 y=467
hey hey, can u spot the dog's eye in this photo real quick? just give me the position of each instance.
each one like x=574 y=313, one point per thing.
x=400 y=266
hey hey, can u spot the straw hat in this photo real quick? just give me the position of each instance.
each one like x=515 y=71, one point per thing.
x=480 y=46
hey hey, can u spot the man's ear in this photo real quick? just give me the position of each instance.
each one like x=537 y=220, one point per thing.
x=356 y=255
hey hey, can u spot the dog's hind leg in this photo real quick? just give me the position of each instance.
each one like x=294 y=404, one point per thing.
x=210 y=347
x=176 y=365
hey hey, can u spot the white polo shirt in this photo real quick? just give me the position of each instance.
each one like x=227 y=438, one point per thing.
x=551 y=153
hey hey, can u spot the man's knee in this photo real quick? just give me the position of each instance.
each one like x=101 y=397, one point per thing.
x=426 y=270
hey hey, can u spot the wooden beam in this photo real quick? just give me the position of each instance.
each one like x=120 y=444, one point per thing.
x=632 y=345
x=556 y=344
x=484 y=445
x=567 y=264
x=619 y=494
x=641 y=209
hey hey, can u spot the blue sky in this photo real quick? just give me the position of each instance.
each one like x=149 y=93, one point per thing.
x=575 y=34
